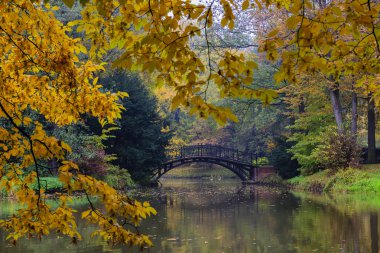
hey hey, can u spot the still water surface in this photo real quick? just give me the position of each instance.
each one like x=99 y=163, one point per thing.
x=197 y=216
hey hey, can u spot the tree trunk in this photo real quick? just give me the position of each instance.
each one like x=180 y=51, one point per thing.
x=371 y=130
x=301 y=106
x=354 y=116
x=337 y=108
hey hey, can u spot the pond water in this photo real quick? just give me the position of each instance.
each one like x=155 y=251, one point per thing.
x=196 y=216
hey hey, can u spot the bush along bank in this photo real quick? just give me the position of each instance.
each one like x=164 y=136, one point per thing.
x=350 y=180
x=271 y=180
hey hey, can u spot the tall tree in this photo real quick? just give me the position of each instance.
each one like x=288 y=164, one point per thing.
x=371 y=130
x=354 y=115
x=337 y=108
x=140 y=141
x=42 y=73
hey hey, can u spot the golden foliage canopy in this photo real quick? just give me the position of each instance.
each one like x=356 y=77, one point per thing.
x=156 y=37
x=336 y=39
x=40 y=72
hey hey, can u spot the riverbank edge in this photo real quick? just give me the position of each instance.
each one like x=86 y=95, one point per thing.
x=365 y=179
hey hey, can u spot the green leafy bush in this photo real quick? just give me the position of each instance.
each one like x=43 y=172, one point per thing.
x=310 y=132
x=119 y=178
x=272 y=179
x=320 y=148
x=340 y=151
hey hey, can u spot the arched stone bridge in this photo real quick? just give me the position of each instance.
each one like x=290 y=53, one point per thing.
x=243 y=164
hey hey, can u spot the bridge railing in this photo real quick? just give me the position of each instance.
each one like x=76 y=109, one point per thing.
x=207 y=150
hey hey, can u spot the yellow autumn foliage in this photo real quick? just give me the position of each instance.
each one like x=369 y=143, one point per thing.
x=40 y=71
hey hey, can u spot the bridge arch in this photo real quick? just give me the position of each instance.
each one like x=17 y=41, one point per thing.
x=240 y=163
x=243 y=175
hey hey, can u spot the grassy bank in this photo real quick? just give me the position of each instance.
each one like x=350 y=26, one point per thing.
x=51 y=184
x=365 y=179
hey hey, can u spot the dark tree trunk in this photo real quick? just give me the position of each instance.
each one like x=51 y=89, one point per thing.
x=371 y=130
x=301 y=106
x=337 y=108
x=354 y=116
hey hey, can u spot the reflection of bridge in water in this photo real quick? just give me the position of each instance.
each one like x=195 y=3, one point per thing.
x=242 y=164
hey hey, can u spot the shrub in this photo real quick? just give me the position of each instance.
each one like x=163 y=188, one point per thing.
x=118 y=178
x=93 y=161
x=272 y=179
x=339 y=152
x=309 y=132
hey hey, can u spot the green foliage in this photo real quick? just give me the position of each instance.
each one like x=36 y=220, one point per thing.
x=315 y=182
x=88 y=150
x=258 y=124
x=262 y=160
x=49 y=184
x=318 y=146
x=139 y=142
x=189 y=129
x=281 y=159
x=272 y=179
x=119 y=178
x=311 y=132
x=349 y=180
x=339 y=152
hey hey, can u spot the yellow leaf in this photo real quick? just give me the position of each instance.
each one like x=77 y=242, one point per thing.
x=245 y=4
x=86 y=213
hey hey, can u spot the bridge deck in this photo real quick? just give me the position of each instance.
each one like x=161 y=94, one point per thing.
x=207 y=150
x=243 y=164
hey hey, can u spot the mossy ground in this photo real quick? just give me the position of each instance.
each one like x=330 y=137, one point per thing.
x=351 y=180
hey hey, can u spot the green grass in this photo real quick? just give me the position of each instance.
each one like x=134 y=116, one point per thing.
x=364 y=179
x=10 y=206
x=49 y=184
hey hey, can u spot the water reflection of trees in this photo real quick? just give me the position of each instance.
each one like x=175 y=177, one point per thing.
x=336 y=225
x=229 y=221
x=374 y=224
x=227 y=218
x=262 y=220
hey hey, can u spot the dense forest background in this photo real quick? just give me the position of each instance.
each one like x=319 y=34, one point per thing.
x=312 y=125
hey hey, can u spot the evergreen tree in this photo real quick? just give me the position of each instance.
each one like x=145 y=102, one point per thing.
x=139 y=143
